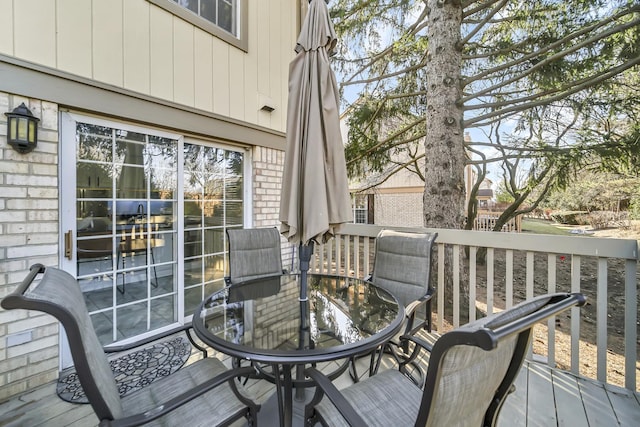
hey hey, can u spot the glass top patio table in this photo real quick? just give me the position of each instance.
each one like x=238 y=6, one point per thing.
x=263 y=320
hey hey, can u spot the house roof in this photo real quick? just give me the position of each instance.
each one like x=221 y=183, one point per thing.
x=485 y=192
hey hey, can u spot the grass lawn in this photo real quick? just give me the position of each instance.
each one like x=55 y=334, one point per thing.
x=541 y=226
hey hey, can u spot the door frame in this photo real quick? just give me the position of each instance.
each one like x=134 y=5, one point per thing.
x=67 y=188
x=67 y=200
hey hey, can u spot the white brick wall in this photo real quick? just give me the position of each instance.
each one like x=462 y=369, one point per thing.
x=399 y=209
x=268 y=166
x=29 y=230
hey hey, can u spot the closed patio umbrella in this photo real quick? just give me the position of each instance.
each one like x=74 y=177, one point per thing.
x=315 y=193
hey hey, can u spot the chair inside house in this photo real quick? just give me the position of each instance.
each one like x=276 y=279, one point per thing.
x=469 y=374
x=402 y=266
x=253 y=253
x=202 y=393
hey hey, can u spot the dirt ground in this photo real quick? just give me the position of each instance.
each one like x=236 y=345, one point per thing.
x=588 y=284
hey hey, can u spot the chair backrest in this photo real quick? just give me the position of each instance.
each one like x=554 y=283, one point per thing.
x=472 y=368
x=402 y=263
x=59 y=294
x=253 y=253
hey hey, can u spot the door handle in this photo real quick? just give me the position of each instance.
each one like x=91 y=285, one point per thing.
x=68 y=243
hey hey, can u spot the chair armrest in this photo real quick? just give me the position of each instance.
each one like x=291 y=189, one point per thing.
x=412 y=308
x=186 y=397
x=325 y=385
x=420 y=343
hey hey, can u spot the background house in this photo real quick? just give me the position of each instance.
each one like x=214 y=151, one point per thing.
x=395 y=197
x=161 y=124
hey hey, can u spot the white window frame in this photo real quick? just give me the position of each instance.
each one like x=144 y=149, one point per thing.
x=360 y=205
x=239 y=40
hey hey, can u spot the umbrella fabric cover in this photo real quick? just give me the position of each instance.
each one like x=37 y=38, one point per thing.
x=315 y=193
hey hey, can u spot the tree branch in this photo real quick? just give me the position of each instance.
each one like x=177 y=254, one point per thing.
x=570 y=89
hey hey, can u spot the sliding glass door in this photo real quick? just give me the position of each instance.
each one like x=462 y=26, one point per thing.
x=144 y=213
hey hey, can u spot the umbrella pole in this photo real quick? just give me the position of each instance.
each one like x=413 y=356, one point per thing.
x=304 y=254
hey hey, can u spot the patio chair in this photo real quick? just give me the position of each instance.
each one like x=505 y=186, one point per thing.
x=469 y=374
x=402 y=266
x=202 y=393
x=253 y=253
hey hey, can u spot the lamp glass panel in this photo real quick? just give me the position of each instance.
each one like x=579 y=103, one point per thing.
x=13 y=128
x=22 y=129
x=32 y=131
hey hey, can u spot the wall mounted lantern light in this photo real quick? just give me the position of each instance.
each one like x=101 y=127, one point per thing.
x=22 y=129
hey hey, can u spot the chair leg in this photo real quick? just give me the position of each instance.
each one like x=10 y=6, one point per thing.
x=385 y=348
x=237 y=363
x=196 y=345
x=410 y=368
x=353 y=370
x=155 y=273
x=124 y=274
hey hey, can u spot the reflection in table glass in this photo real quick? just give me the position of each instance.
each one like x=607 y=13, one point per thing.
x=264 y=321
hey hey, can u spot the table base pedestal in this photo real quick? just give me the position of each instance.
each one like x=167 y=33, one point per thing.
x=268 y=414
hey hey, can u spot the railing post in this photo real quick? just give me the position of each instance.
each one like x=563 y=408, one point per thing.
x=630 y=324
x=601 y=319
x=575 y=316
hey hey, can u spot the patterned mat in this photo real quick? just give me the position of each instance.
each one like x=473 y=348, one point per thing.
x=132 y=371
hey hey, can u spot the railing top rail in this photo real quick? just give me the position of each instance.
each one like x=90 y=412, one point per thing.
x=576 y=245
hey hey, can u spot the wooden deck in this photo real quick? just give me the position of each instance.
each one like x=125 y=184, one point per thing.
x=543 y=397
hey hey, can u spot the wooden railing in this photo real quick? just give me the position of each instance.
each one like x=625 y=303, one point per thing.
x=492 y=271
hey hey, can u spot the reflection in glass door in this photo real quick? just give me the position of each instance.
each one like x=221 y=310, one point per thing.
x=148 y=213
x=126 y=263
x=213 y=195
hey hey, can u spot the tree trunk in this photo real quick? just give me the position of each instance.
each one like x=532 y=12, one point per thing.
x=444 y=141
x=444 y=192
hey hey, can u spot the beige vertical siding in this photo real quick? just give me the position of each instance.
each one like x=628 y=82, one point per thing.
x=221 y=73
x=74 y=53
x=161 y=53
x=136 y=45
x=107 y=34
x=183 y=62
x=237 y=99
x=6 y=27
x=34 y=30
x=203 y=71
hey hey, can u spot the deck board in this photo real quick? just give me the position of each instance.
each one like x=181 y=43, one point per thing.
x=596 y=403
x=540 y=405
x=625 y=405
x=543 y=397
x=568 y=402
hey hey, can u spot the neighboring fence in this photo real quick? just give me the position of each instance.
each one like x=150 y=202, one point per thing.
x=486 y=221
x=605 y=261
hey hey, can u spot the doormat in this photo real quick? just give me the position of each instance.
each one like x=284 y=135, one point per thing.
x=132 y=371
